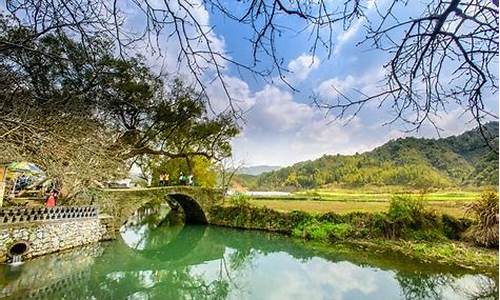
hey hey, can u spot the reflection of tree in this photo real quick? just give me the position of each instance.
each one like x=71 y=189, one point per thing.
x=431 y=286
x=422 y=286
x=146 y=218
x=486 y=288
x=177 y=242
x=240 y=258
x=153 y=284
x=173 y=266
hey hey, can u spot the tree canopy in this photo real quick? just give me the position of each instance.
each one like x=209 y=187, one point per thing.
x=85 y=117
x=440 y=53
x=418 y=163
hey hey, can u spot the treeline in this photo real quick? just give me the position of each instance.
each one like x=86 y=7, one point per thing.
x=415 y=162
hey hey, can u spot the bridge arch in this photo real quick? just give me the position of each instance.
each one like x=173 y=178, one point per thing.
x=193 y=212
x=196 y=202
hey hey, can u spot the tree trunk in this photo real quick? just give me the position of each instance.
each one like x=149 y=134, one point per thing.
x=3 y=175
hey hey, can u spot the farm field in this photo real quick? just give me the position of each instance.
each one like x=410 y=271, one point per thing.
x=454 y=208
x=452 y=202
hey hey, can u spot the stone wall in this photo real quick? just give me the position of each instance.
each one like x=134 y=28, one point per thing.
x=50 y=230
x=55 y=273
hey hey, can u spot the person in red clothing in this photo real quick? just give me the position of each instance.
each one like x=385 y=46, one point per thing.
x=51 y=201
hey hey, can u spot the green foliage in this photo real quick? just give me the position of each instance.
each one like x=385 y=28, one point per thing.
x=406 y=219
x=411 y=162
x=200 y=167
x=341 y=231
x=485 y=232
x=406 y=209
x=239 y=199
x=323 y=230
x=454 y=228
x=245 y=180
x=90 y=113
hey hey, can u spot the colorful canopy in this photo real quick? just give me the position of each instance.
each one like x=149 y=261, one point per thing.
x=25 y=167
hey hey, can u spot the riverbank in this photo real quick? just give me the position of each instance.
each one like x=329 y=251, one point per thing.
x=421 y=235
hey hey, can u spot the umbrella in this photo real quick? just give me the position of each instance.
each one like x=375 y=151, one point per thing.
x=25 y=167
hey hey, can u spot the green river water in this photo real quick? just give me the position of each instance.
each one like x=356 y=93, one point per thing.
x=151 y=261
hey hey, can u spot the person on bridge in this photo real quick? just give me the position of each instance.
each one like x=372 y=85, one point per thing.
x=51 y=200
x=182 y=179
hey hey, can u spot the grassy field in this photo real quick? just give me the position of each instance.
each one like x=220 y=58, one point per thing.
x=342 y=201
x=452 y=208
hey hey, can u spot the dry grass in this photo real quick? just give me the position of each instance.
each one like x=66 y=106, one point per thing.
x=485 y=232
x=453 y=208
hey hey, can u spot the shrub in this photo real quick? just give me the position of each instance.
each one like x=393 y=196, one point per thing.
x=331 y=217
x=485 y=231
x=454 y=228
x=239 y=199
x=406 y=209
x=408 y=218
x=380 y=225
x=340 y=231
x=323 y=231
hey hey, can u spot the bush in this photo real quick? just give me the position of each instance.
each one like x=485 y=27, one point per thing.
x=239 y=199
x=408 y=218
x=485 y=232
x=454 y=228
x=340 y=231
x=323 y=231
x=406 y=209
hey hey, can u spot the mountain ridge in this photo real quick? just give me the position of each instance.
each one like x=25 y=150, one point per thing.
x=256 y=170
x=464 y=159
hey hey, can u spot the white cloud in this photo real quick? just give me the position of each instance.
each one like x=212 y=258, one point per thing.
x=367 y=83
x=314 y=279
x=344 y=36
x=163 y=51
x=241 y=97
x=275 y=109
x=301 y=66
x=280 y=131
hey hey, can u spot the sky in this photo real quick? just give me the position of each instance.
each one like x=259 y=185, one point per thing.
x=282 y=126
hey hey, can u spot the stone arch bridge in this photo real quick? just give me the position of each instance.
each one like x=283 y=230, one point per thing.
x=195 y=201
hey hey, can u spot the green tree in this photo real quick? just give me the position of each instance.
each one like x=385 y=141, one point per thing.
x=86 y=117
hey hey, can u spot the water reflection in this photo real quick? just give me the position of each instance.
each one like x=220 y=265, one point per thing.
x=145 y=219
x=199 y=262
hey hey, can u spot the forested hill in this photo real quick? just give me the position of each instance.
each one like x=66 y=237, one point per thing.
x=416 y=162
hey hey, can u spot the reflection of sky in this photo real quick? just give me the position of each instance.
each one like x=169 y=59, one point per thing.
x=248 y=273
x=280 y=276
x=135 y=236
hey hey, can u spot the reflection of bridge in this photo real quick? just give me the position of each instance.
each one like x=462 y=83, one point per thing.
x=119 y=272
x=195 y=201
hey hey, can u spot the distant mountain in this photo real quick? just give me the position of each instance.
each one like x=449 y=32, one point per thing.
x=256 y=170
x=417 y=162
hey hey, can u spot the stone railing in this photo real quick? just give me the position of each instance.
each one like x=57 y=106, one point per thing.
x=33 y=214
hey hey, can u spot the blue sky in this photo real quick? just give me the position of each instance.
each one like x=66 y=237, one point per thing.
x=282 y=127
